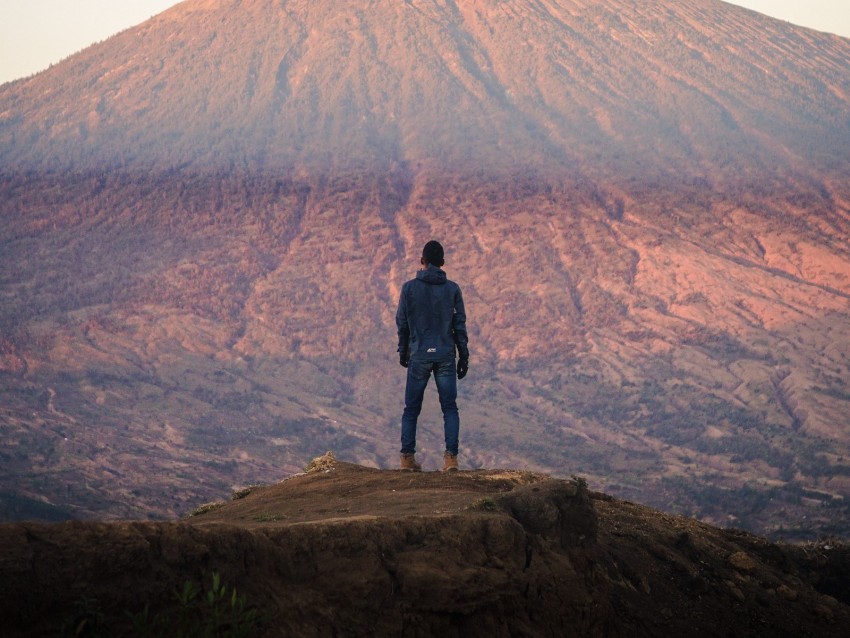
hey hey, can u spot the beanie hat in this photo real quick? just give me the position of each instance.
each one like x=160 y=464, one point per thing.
x=433 y=253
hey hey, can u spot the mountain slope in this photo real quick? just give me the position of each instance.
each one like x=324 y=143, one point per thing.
x=702 y=89
x=206 y=221
x=359 y=551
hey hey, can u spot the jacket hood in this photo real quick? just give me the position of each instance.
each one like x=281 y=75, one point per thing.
x=431 y=275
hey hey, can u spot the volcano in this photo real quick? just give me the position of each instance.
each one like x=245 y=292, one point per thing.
x=206 y=221
x=688 y=91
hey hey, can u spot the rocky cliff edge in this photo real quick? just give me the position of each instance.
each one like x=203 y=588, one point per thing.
x=345 y=550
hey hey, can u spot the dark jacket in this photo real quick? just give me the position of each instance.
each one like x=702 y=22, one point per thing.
x=431 y=319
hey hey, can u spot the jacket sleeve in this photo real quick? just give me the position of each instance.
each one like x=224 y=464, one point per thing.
x=402 y=325
x=459 y=326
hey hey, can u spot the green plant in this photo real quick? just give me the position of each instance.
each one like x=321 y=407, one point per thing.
x=144 y=625
x=87 y=622
x=216 y=613
x=487 y=504
x=187 y=609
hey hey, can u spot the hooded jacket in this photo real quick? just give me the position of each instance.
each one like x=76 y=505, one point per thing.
x=431 y=319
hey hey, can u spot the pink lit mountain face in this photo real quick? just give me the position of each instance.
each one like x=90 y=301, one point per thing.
x=206 y=221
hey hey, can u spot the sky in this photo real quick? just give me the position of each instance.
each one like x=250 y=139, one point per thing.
x=37 y=33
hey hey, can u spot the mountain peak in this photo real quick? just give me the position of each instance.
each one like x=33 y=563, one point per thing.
x=705 y=89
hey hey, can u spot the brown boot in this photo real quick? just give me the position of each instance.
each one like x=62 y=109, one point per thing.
x=449 y=462
x=408 y=462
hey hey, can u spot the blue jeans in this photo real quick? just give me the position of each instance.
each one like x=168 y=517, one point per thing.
x=445 y=376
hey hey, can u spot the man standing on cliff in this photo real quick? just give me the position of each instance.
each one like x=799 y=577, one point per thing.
x=431 y=323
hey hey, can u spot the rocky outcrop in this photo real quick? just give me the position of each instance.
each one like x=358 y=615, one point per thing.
x=351 y=551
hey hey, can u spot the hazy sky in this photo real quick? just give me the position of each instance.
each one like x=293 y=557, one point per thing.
x=37 y=33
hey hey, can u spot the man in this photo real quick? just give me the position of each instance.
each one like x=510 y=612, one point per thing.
x=431 y=323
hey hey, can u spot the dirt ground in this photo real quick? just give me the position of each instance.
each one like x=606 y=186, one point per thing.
x=344 y=550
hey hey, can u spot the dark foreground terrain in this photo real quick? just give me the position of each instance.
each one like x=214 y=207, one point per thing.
x=344 y=550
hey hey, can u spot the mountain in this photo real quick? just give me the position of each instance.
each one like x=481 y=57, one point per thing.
x=362 y=552
x=664 y=90
x=206 y=221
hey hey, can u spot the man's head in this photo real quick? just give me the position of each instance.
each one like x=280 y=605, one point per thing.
x=433 y=254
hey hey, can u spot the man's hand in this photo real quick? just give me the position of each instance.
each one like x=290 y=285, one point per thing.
x=404 y=359
x=462 y=368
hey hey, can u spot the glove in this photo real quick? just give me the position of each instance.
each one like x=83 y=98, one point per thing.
x=462 y=368
x=404 y=359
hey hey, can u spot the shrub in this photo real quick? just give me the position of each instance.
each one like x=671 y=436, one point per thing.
x=219 y=614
